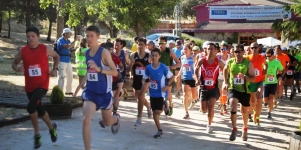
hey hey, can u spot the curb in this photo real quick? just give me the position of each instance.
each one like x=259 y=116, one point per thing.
x=5 y=122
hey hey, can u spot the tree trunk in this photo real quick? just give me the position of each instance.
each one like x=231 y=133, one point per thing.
x=49 y=31
x=66 y=18
x=8 y=24
x=75 y=32
x=139 y=32
x=28 y=12
x=60 y=19
x=1 y=15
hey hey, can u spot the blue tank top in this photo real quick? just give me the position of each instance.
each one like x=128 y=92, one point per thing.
x=97 y=83
x=187 y=68
x=122 y=58
x=177 y=52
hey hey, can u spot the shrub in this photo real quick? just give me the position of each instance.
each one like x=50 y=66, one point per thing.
x=198 y=42
x=57 y=95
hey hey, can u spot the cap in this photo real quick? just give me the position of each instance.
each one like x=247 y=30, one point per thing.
x=171 y=42
x=179 y=42
x=107 y=45
x=150 y=42
x=224 y=43
x=284 y=48
x=195 y=48
x=67 y=30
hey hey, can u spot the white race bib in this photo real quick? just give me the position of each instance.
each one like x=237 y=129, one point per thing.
x=35 y=72
x=153 y=85
x=221 y=71
x=187 y=67
x=271 y=78
x=289 y=72
x=140 y=71
x=209 y=82
x=92 y=75
x=257 y=73
x=238 y=80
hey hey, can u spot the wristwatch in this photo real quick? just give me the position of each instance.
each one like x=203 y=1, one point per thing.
x=168 y=84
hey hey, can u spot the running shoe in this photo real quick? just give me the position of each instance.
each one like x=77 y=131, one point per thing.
x=209 y=129
x=102 y=124
x=186 y=116
x=250 y=118
x=170 y=111
x=219 y=106
x=292 y=95
x=265 y=104
x=178 y=95
x=159 y=134
x=53 y=132
x=125 y=94
x=225 y=109
x=115 y=127
x=138 y=122
x=233 y=135
x=37 y=141
x=149 y=113
x=244 y=135
x=166 y=109
x=269 y=115
x=191 y=105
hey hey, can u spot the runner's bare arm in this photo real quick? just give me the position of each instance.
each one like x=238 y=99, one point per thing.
x=251 y=73
x=55 y=56
x=16 y=61
x=127 y=58
x=198 y=66
x=174 y=57
x=221 y=64
x=196 y=60
x=132 y=60
x=226 y=74
x=107 y=60
x=121 y=67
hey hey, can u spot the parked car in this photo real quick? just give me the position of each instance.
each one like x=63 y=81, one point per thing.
x=155 y=38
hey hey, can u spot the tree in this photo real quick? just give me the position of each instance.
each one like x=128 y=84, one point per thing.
x=8 y=8
x=290 y=29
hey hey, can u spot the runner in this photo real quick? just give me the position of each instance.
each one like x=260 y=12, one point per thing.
x=208 y=81
x=188 y=83
x=36 y=72
x=154 y=79
x=81 y=66
x=166 y=56
x=256 y=88
x=289 y=79
x=223 y=56
x=139 y=60
x=238 y=73
x=177 y=50
x=285 y=61
x=149 y=46
x=271 y=80
x=298 y=70
x=98 y=91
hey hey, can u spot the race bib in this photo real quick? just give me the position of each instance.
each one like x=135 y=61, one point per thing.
x=289 y=72
x=209 y=82
x=92 y=75
x=221 y=71
x=140 y=71
x=153 y=85
x=35 y=72
x=238 y=80
x=117 y=67
x=271 y=78
x=187 y=67
x=257 y=73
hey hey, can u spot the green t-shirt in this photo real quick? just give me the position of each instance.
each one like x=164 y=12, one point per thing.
x=271 y=74
x=298 y=57
x=80 y=60
x=238 y=84
x=165 y=57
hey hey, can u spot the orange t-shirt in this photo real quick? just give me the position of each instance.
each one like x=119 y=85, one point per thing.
x=284 y=59
x=258 y=63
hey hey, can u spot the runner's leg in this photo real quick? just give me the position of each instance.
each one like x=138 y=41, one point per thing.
x=89 y=109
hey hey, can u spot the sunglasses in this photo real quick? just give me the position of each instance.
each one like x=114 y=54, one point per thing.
x=162 y=43
x=254 y=47
x=268 y=56
x=237 y=51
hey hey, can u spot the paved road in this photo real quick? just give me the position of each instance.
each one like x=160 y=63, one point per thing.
x=179 y=134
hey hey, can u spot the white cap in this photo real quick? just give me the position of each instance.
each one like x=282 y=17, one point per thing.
x=172 y=42
x=66 y=30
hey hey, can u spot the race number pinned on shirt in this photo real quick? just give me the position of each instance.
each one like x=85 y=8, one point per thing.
x=153 y=84
x=35 y=71
x=271 y=78
x=92 y=75
x=257 y=73
x=187 y=67
x=289 y=72
x=209 y=82
x=140 y=71
x=238 y=80
x=221 y=71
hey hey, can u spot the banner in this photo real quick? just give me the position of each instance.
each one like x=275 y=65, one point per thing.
x=248 y=12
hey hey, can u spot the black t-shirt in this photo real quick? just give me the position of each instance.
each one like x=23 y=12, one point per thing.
x=292 y=60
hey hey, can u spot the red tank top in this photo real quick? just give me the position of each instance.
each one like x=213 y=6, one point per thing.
x=116 y=61
x=36 y=69
x=209 y=74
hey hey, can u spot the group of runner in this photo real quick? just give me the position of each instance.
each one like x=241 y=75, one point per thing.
x=207 y=74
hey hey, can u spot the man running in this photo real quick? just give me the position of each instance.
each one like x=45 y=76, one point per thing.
x=256 y=88
x=166 y=56
x=271 y=80
x=154 y=79
x=98 y=91
x=138 y=62
x=289 y=79
x=238 y=73
x=208 y=81
x=36 y=71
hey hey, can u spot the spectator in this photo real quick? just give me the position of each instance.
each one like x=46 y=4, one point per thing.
x=135 y=45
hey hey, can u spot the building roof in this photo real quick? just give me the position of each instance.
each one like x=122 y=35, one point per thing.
x=225 y=26
x=246 y=2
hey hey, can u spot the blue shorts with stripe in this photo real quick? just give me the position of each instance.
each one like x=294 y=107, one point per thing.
x=103 y=101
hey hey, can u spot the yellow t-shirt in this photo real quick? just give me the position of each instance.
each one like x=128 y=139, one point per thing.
x=134 y=47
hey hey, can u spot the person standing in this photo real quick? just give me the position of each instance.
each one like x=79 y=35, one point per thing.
x=64 y=46
x=98 y=91
x=238 y=73
x=177 y=50
x=36 y=71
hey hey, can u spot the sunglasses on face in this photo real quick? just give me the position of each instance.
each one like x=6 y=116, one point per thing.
x=162 y=43
x=268 y=55
x=254 y=47
x=237 y=51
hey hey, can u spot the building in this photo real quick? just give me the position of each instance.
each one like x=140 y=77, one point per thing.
x=239 y=21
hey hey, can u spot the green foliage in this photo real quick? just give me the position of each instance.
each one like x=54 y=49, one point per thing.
x=198 y=42
x=233 y=39
x=57 y=95
x=300 y=126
